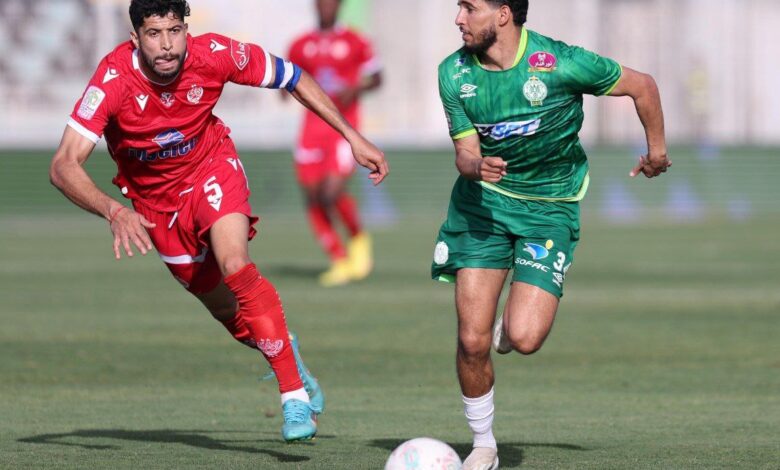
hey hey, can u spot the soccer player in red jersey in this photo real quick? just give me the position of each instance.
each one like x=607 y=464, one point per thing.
x=152 y=99
x=344 y=64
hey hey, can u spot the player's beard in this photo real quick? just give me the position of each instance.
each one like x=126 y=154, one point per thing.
x=483 y=40
x=150 y=62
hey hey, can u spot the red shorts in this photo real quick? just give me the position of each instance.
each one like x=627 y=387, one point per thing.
x=181 y=237
x=315 y=159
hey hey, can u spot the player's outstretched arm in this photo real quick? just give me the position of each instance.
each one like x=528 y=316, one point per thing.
x=647 y=100
x=68 y=175
x=309 y=93
x=471 y=164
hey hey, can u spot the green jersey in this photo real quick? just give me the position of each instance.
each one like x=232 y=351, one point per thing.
x=529 y=114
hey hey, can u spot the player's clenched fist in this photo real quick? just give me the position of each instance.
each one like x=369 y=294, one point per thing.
x=491 y=169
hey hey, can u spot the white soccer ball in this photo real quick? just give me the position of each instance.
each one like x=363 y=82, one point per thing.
x=423 y=453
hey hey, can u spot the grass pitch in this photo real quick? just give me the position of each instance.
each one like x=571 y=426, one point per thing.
x=665 y=352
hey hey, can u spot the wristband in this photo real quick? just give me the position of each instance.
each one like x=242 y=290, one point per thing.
x=113 y=217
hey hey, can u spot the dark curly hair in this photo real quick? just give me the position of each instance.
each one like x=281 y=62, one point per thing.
x=142 y=9
x=519 y=9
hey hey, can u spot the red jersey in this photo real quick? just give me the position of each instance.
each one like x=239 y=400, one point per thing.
x=337 y=59
x=160 y=135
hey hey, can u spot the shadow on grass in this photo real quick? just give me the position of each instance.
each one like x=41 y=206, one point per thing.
x=510 y=453
x=194 y=438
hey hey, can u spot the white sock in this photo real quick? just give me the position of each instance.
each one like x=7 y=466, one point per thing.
x=479 y=413
x=299 y=394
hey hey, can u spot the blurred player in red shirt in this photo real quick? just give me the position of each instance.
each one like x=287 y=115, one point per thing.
x=152 y=99
x=344 y=64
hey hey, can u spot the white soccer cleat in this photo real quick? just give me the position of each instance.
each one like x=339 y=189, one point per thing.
x=481 y=458
x=501 y=342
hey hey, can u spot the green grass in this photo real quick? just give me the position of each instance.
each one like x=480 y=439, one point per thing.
x=665 y=353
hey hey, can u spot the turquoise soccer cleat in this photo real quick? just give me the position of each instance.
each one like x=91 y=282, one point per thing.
x=316 y=397
x=299 y=421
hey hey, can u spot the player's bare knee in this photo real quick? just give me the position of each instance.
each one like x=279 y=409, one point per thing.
x=473 y=344
x=526 y=344
x=234 y=264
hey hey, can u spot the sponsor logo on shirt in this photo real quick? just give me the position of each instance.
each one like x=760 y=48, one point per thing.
x=502 y=130
x=172 y=144
x=542 y=62
x=168 y=138
x=91 y=102
x=240 y=53
x=468 y=90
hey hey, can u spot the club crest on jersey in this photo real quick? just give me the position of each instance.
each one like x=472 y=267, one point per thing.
x=542 y=62
x=240 y=53
x=91 y=102
x=535 y=91
x=195 y=94
x=167 y=99
x=168 y=138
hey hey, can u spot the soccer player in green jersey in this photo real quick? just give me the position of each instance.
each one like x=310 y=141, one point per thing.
x=513 y=100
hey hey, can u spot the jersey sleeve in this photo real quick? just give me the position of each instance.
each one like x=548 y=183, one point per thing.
x=367 y=58
x=459 y=124
x=249 y=64
x=100 y=101
x=586 y=72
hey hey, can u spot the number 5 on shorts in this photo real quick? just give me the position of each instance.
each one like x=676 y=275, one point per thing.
x=215 y=198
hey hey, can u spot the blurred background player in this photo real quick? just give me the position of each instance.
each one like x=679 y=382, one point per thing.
x=152 y=98
x=343 y=63
x=513 y=100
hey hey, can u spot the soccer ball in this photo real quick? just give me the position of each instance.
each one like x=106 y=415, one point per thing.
x=423 y=453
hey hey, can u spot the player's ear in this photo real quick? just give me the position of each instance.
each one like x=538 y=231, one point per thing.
x=504 y=15
x=134 y=38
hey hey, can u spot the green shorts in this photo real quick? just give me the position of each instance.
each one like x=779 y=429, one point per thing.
x=486 y=229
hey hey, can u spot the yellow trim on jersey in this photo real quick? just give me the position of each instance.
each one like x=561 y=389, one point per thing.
x=614 y=85
x=521 y=48
x=464 y=134
x=575 y=198
x=520 y=52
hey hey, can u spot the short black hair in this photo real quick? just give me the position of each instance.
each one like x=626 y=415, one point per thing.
x=519 y=9
x=142 y=9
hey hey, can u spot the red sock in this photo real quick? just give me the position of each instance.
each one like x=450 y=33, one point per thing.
x=239 y=329
x=325 y=233
x=349 y=213
x=261 y=310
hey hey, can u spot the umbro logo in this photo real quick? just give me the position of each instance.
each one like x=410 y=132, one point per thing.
x=141 y=99
x=110 y=75
x=468 y=90
x=216 y=47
